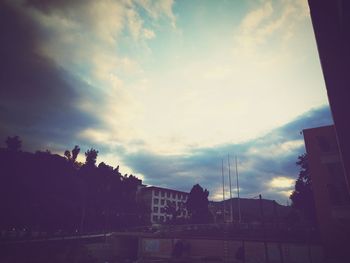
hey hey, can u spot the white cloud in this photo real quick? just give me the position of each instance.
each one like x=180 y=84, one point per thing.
x=281 y=182
x=181 y=102
x=303 y=7
x=134 y=23
x=94 y=135
x=88 y=33
x=266 y=21
x=159 y=8
x=286 y=193
x=276 y=149
x=254 y=18
x=148 y=34
x=83 y=38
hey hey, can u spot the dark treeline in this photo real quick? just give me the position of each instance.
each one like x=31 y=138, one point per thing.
x=47 y=192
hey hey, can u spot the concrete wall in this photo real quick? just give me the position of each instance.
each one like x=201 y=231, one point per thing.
x=220 y=250
x=121 y=248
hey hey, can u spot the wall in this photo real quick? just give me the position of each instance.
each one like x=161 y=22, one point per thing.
x=219 y=250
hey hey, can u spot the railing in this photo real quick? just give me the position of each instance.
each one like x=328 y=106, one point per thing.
x=251 y=231
x=24 y=236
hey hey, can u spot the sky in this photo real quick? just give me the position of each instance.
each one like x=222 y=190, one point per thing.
x=166 y=89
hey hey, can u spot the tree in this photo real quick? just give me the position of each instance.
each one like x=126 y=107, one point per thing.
x=72 y=156
x=68 y=155
x=197 y=204
x=48 y=192
x=302 y=196
x=14 y=144
x=75 y=152
x=171 y=209
x=91 y=156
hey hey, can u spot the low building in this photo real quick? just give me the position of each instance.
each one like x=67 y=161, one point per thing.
x=250 y=209
x=156 y=199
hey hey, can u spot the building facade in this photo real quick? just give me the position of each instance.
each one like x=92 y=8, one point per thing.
x=331 y=23
x=332 y=199
x=157 y=199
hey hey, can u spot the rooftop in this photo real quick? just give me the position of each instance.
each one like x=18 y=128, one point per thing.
x=148 y=188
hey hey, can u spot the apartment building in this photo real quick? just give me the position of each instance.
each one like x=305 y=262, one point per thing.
x=329 y=184
x=157 y=199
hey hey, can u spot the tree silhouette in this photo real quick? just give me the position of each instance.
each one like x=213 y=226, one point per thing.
x=302 y=196
x=91 y=156
x=42 y=191
x=170 y=209
x=75 y=152
x=197 y=204
x=68 y=155
x=14 y=144
x=72 y=156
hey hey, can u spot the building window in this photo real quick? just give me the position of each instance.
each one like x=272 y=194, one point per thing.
x=162 y=210
x=162 y=201
x=156 y=192
x=174 y=195
x=162 y=193
x=161 y=218
x=155 y=209
x=155 y=218
x=156 y=201
x=168 y=194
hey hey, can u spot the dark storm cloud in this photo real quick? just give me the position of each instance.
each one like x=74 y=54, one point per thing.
x=37 y=98
x=313 y=118
x=256 y=169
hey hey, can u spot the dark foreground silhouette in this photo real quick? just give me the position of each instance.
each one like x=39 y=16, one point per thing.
x=44 y=192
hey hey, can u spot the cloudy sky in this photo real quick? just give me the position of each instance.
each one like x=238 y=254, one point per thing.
x=166 y=89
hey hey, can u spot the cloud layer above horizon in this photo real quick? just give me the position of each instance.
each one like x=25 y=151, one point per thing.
x=266 y=164
x=151 y=82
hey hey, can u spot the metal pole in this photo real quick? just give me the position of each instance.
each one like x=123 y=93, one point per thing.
x=229 y=177
x=239 y=202
x=223 y=188
x=264 y=229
